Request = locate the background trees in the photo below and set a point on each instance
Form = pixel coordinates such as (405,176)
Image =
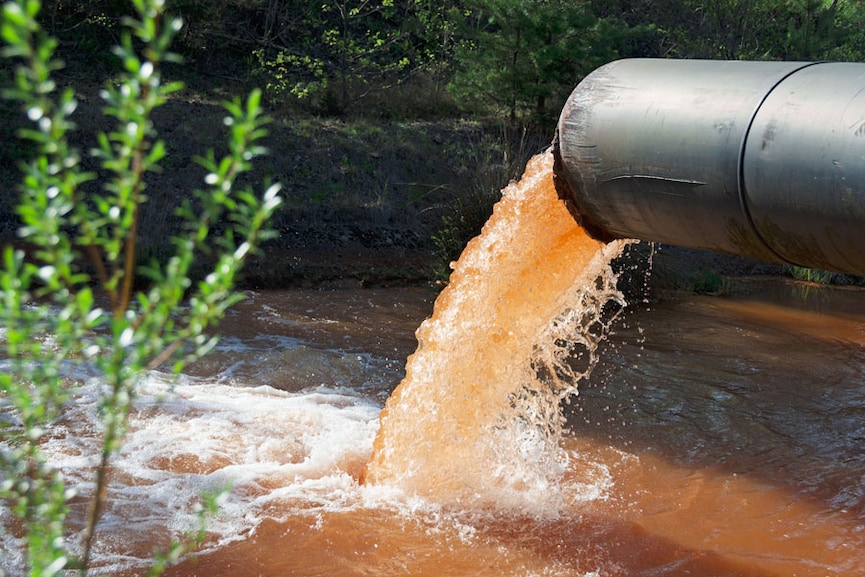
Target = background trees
(513,58)
(519,55)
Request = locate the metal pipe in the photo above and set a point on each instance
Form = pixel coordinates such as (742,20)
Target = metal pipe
(757,159)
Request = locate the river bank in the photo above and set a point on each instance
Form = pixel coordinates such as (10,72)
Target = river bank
(385,199)
(368,202)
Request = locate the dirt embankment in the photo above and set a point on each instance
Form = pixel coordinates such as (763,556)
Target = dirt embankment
(363,198)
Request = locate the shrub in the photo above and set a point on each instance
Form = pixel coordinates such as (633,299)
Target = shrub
(86,247)
(817,276)
(708,281)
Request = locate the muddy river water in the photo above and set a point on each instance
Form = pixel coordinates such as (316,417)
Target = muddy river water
(717,436)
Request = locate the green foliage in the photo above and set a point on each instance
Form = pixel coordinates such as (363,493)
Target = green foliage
(814,275)
(524,57)
(337,52)
(815,29)
(708,281)
(514,58)
(746,29)
(281,78)
(84,248)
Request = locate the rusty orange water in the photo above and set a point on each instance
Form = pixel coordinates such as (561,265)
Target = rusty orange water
(724,436)
(474,423)
(704,474)
(715,436)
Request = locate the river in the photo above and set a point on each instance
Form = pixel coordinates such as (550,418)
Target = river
(717,436)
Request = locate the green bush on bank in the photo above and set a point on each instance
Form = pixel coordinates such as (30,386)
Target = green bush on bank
(824,277)
(83,250)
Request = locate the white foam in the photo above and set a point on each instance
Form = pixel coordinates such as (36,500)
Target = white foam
(278,452)
(283,455)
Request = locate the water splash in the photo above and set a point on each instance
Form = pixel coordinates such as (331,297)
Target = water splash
(284,455)
(476,421)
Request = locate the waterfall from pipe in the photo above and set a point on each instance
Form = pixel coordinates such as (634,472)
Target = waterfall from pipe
(476,421)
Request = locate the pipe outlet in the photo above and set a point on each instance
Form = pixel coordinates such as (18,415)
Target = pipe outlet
(757,159)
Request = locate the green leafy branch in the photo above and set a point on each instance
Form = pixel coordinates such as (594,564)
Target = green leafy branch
(84,251)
